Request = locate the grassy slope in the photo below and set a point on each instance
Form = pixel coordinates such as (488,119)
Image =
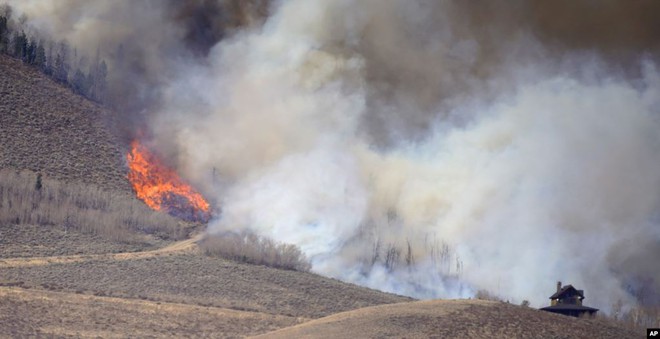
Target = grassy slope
(45,127)
(17,241)
(451,319)
(29,313)
(190,278)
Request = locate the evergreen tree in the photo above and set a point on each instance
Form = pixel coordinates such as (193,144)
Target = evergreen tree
(30,52)
(89,83)
(79,83)
(19,45)
(40,57)
(38,185)
(61,71)
(4,33)
(50,60)
(101,81)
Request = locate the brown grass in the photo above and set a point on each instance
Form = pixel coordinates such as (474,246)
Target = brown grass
(452,319)
(185,246)
(202,280)
(45,127)
(32,313)
(253,249)
(20,241)
(637,318)
(86,208)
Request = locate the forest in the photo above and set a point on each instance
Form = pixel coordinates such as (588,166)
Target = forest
(57,59)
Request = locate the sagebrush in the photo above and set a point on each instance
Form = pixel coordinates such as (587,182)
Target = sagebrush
(637,318)
(28,198)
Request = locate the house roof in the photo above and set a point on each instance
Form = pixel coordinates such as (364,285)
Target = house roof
(566,290)
(569,307)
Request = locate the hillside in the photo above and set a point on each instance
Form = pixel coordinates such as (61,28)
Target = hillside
(62,281)
(46,128)
(451,319)
(105,280)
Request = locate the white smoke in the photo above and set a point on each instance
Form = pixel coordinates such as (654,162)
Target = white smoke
(538,183)
(495,161)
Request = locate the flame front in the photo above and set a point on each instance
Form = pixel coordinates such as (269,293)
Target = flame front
(161,187)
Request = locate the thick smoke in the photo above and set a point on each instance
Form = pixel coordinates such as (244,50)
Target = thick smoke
(143,41)
(421,147)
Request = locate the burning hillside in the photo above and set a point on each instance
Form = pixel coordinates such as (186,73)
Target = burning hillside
(161,188)
(518,137)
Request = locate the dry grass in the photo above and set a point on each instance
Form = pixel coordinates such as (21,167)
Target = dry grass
(20,241)
(638,318)
(46,128)
(85,208)
(487,295)
(31,313)
(452,319)
(253,249)
(202,280)
(185,246)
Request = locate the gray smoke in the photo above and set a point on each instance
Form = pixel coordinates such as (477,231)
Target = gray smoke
(421,147)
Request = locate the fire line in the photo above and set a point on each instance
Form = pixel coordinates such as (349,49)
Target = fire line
(161,188)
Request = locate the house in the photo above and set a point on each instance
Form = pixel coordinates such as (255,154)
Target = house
(568,301)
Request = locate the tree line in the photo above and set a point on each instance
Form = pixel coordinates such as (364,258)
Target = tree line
(55,59)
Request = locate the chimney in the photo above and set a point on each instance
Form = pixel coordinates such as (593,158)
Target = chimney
(558,286)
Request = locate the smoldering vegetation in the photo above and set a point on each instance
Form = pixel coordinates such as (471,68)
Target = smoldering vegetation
(29,198)
(521,134)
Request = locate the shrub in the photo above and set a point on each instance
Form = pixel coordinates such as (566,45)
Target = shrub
(250,248)
(637,318)
(83,207)
(486,295)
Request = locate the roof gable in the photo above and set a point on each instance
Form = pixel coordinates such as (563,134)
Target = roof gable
(567,291)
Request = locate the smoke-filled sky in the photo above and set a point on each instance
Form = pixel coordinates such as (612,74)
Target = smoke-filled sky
(507,144)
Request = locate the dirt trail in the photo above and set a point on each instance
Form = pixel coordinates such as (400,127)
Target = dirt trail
(29,313)
(188,245)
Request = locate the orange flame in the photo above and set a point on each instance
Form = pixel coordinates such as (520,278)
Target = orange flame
(161,187)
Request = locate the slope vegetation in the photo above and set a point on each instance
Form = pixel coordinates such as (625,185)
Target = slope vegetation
(451,319)
(46,128)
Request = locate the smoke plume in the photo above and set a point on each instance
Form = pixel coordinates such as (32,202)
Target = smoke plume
(420,147)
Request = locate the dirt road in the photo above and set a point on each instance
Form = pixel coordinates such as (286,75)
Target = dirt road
(188,245)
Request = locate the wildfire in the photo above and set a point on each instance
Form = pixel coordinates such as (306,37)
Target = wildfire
(161,188)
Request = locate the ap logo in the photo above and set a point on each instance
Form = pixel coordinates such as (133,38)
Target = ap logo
(653,333)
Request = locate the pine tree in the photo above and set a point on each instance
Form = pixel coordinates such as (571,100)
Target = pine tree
(79,83)
(4,32)
(40,57)
(50,60)
(23,47)
(101,81)
(61,71)
(19,45)
(38,185)
(30,51)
